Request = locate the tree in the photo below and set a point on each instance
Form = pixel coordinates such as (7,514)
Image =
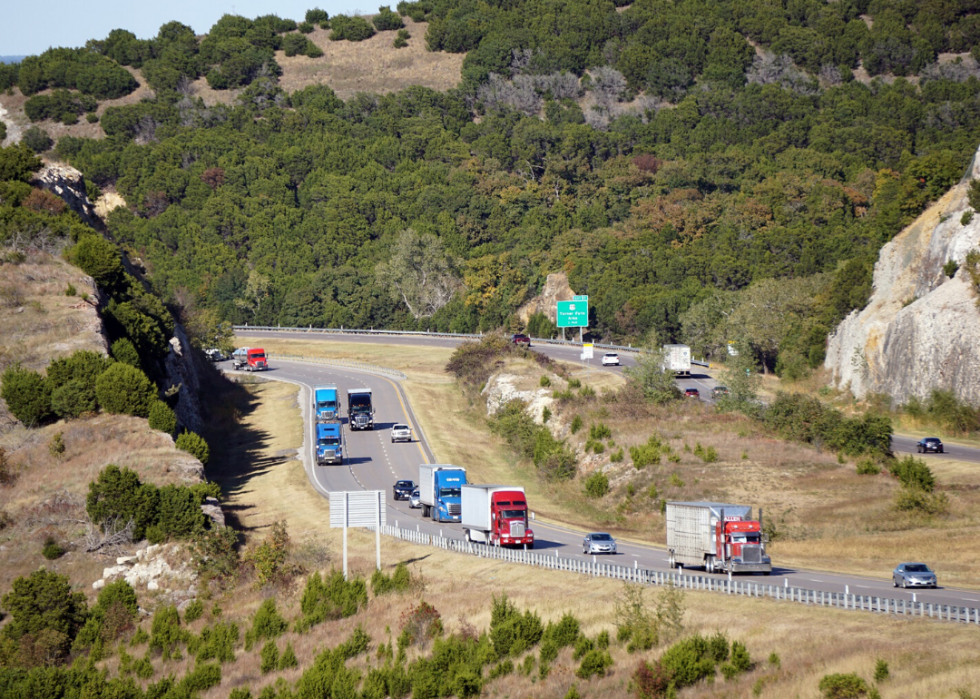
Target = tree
(162,417)
(118,495)
(44,609)
(28,395)
(72,399)
(194,444)
(419,273)
(386,20)
(98,258)
(84,366)
(18,162)
(37,139)
(741,377)
(657,384)
(125,390)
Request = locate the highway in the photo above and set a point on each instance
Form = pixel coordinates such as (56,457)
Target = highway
(373,462)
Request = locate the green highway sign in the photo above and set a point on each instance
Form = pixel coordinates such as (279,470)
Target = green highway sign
(573,314)
(580,298)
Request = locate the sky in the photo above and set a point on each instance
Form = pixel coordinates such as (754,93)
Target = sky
(33,27)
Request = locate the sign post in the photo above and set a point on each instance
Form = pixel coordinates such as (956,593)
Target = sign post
(358,508)
(587,348)
(573,314)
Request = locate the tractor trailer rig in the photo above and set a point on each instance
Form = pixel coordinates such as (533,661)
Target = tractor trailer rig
(723,538)
(496,515)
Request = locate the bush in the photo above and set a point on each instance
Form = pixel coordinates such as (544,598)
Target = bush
(544,382)
(37,139)
(195,445)
(841,686)
(304,28)
(60,105)
(52,549)
(73,399)
(123,350)
(117,494)
(299,45)
(269,657)
(83,366)
(913,473)
(386,20)
(882,672)
(350,28)
(194,611)
(597,485)
(333,598)
(919,501)
(399,581)
(217,642)
(595,662)
(125,390)
(44,607)
(98,258)
(178,512)
(421,623)
(576,424)
(867,467)
(28,395)
(56,447)
(288,658)
(163,418)
(267,623)
(316,16)
(511,632)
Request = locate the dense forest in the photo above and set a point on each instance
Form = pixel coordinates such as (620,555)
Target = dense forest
(708,171)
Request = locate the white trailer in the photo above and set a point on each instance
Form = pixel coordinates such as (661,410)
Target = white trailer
(496,514)
(677,358)
(718,536)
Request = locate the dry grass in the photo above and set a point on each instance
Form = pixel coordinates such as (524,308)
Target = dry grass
(373,65)
(48,495)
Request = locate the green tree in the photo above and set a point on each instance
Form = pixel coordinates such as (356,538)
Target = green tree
(99,259)
(37,139)
(125,390)
(18,162)
(162,417)
(741,377)
(656,384)
(118,496)
(44,612)
(419,274)
(73,399)
(194,444)
(27,394)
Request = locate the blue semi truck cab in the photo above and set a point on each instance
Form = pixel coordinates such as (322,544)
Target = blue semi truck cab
(329,444)
(440,491)
(326,403)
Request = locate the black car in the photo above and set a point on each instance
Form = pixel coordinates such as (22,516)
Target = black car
(521,339)
(403,489)
(929,444)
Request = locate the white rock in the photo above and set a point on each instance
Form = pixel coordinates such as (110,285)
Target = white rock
(126,560)
(152,585)
(112,571)
(98,584)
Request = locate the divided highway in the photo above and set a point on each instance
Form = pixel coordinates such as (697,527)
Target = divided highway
(373,462)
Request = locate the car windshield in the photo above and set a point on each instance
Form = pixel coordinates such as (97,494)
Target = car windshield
(449,492)
(400,427)
(930,440)
(601,537)
(612,356)
(405,484)
(917,568)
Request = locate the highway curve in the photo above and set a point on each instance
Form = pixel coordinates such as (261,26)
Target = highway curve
(373,462)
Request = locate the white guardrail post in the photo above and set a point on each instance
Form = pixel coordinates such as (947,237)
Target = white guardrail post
(903,607)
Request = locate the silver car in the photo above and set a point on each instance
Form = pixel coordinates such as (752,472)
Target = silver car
(598,542)
(401,433)
(913,575)
(413,500)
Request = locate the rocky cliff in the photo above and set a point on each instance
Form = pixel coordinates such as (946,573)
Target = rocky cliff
(555,289)
(921,329)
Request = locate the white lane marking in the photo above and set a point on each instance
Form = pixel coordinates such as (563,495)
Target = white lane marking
(814,580)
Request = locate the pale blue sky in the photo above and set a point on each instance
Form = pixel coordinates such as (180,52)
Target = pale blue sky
(28,28)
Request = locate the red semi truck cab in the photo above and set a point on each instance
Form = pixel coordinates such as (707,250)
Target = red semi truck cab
(734,535)
(251,359)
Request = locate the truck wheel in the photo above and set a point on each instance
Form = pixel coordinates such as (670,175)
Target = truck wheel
(709,565)
(767,573)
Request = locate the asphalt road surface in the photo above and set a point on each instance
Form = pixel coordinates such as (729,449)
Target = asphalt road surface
(373,462)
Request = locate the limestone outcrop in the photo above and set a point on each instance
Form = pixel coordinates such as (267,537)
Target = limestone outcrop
(555,289)
(68,183)
(921,329)
(501,389)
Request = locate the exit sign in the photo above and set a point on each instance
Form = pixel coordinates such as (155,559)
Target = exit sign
(573,314)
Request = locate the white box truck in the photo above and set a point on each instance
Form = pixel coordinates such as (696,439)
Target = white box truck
(718,536)
(677,358)
(496,515)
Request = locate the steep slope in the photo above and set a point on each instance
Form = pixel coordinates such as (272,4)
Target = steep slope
(921,329)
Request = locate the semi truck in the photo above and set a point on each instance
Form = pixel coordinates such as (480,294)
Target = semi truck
(723,538)
(326,405)
(329,444)
(250,359)
(496,515)
(677,358)
(440,491)
(360,412)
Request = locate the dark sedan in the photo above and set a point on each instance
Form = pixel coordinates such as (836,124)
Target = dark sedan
(403,489)
(929,444)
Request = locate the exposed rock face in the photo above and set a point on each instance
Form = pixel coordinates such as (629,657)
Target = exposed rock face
(555,289)
(501,389)
(155,567)
(921,329)
(182,370)
(68,183)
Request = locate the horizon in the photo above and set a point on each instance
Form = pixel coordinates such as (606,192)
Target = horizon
(58,24)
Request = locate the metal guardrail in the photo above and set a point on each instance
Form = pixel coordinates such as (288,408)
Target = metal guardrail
(345,363)
(426,333)
(746,588)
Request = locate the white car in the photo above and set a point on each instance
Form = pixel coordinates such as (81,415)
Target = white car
(610,359)
(401,433)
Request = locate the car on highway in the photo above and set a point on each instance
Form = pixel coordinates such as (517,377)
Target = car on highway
(719,391)
(401,433)
(215,355)
(521,339)
(413,500)
(403,489)
(610,359)
(692,393)
(928,444)
(598,542)
(913,575)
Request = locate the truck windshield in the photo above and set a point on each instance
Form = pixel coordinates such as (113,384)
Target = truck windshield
(256,355)
(360,404)
(513,514)
(449,492)
(327,404)
(329,441)
(745,538)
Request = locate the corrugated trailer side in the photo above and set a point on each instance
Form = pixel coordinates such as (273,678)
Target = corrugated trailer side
(689,532)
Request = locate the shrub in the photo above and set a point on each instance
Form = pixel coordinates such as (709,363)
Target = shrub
(774,660)
(115,612)
(919,501)
(316,16)
(56,447)
(634,622)
(386,20)
(73,400)
(401,41)
(98,258)
(595,662)
(399,581)
(217,642)
(166,633)
(576,424)
(333,598)
(617,456)
(37,139)
(350,28)
(304,28)
(52,549)
(44,607)
(867,467)
(597,485)
(123,350)
(511,632)
(420,624)
(882,672)
(913,473)
(544,382)
(194,444)
(163,418)
(841,686)
(83,366)
(28,395)
(194,611)
(269,657)
(125,390)
(288,658)
(300,45)
(201,678)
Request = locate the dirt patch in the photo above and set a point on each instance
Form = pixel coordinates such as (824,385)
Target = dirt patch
(374,65)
